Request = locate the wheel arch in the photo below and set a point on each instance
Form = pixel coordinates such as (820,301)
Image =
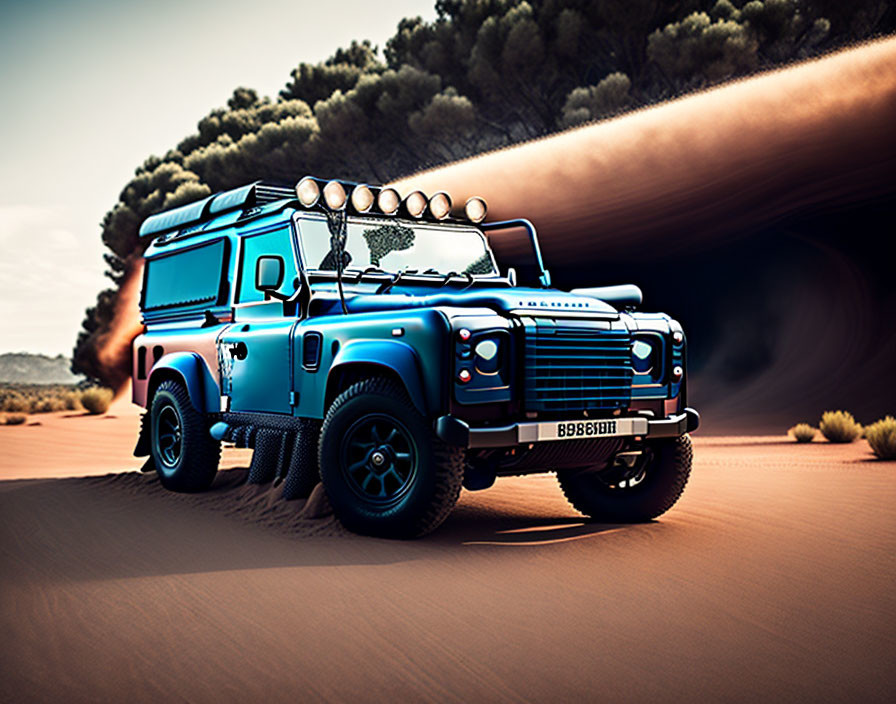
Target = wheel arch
(189,369)
(368,358)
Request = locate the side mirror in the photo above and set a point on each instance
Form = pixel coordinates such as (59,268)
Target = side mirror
(269,274)
(511,276)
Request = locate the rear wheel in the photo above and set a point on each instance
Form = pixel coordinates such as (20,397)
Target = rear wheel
(636,493)
(185,455)
(385,471)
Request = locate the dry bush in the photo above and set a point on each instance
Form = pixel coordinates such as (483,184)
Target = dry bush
(882,438)
(839,426)
(13,402)
(96,400)
(802,432)
(71,400)
(49,404)
(15,419)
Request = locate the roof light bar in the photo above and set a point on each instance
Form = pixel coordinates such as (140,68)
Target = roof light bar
(308,192)
(475,209)
(334,195)
(415,204)
(440,205)
(362,198)
(388,201)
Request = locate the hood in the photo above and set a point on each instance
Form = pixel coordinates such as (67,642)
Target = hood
(519,301)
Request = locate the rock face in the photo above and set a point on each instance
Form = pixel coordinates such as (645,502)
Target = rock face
(24,368)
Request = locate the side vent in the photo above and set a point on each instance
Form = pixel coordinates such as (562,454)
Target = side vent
(141,362)
(311,343)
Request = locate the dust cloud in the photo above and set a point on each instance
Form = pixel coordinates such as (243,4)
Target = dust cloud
(687,174)
(114,347)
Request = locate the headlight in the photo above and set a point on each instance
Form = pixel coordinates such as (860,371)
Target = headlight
(415,204)
(440,205)
(488,359)
(642,357)
(334,195)
(388,201)
(308,192)
(362,198)
(475,209)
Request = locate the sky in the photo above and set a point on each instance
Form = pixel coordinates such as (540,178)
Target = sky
(90,88)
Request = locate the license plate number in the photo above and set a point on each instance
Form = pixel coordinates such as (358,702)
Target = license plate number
(586,428)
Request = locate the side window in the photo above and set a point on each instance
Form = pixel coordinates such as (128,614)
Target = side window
(186,278)
(278,243)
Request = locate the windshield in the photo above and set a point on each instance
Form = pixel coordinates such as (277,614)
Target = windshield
(394,245)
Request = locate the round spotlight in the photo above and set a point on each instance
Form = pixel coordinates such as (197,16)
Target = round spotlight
(440,205)
(415,203)
(388,201)
(308,192)
(362,198)
(334,195)
(475,209)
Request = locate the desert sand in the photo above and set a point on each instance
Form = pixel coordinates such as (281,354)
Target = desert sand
(771,580)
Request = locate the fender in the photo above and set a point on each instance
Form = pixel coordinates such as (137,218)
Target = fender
(191,370)
(394,356)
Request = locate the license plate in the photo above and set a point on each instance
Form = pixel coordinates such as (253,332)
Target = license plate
(584,429)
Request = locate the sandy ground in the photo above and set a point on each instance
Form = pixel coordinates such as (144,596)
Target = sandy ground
(771,580)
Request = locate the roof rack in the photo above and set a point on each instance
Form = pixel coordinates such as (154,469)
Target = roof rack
(250,196)
(312,193)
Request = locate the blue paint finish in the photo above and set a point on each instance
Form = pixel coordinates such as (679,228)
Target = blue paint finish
(394,356)
(561,354)
(366,341)
(191,370)
(259,359)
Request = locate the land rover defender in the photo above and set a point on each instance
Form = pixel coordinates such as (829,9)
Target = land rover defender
(373,343)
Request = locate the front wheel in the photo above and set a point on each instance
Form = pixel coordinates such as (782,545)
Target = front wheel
(385,471)
(646,490)
(185,455)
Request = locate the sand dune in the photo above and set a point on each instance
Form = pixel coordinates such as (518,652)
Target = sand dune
(770,580)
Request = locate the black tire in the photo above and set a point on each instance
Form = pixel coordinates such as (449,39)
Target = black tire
(185,455)
(663,480)
(385,471)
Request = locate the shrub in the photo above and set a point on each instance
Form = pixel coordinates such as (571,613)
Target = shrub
(882,438)
(48,405)
(15,419)
(802,432)
(839,426)
(72,401)
(96,400)
(15,403)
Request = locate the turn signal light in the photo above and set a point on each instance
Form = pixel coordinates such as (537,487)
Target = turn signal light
(464,376)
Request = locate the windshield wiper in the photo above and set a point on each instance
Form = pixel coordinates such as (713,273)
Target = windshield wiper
(369,270)
(465,274)
(386,287)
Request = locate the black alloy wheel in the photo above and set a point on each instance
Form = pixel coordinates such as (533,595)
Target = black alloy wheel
(185,455)
(379,458)
(384,469)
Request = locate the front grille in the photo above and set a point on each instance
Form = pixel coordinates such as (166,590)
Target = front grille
(577,368)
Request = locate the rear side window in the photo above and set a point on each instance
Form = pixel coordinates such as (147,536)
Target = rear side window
(277,243)
(186,278)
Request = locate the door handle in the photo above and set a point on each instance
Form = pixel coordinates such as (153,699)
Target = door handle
(239,350)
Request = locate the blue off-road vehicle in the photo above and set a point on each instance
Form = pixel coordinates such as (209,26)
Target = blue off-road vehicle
(374,344)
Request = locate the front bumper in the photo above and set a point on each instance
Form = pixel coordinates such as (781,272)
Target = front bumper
(454,431)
